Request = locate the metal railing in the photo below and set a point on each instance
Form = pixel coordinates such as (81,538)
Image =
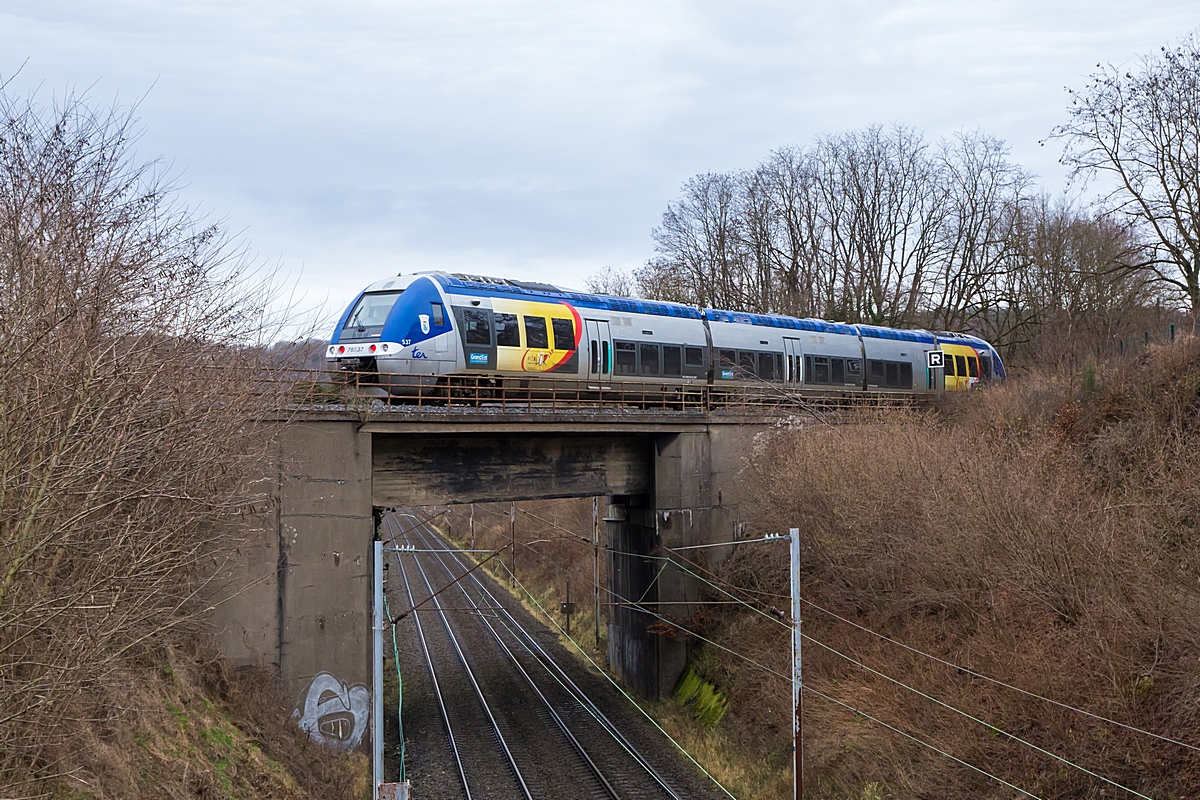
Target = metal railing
(345,390)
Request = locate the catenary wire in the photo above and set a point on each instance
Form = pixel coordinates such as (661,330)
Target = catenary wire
(619,688)
(919,741)
(639,606)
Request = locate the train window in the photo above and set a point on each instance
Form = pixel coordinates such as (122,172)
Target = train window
(808,370)
(972,366)
(779,366)
(766,366)
(649,353)
(595,363)
(693,356)
(854,368)
(877,373)
(564,334)
(535,332)
(672,362)
(626,358)
(985,367)
(820,369)
(605,356)
(960,366)
(508,334)
(439,314)
(371,311)
(728,359)
(906,375)
(746,364)
(837,371)
(476,328)
(893,374)
(948,365)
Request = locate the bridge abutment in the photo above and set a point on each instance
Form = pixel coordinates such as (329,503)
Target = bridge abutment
(299,597)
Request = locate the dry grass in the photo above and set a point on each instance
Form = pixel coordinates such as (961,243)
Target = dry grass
(1039,533)
(190,728)
(134,435)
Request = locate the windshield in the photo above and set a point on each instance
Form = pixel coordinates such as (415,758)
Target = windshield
(369,314)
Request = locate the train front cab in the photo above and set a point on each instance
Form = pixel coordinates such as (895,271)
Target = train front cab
(965,366)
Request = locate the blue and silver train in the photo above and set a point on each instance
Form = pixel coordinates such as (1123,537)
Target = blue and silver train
(435,328)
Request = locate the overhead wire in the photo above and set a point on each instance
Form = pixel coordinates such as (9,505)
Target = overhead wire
(944,662)
(918,740)
(639,606)
(619,688)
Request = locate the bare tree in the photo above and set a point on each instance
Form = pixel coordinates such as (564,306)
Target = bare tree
(1141,128)
(612,282)
(128,435)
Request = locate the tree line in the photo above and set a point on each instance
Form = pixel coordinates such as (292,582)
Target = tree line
(886,226)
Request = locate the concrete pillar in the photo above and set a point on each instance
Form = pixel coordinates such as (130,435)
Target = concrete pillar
(300,597)
(632,648)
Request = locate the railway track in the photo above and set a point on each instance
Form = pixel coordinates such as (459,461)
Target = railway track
(544,737)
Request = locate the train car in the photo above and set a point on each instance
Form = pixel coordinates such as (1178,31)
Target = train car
(437,328)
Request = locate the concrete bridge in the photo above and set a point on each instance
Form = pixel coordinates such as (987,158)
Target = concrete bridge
(304,582)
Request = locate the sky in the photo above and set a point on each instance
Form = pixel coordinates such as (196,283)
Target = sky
(349,141)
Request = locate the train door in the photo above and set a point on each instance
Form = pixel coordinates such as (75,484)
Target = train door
(793,362)
(599,351)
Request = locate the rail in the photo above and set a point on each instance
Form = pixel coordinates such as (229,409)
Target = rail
(608,785)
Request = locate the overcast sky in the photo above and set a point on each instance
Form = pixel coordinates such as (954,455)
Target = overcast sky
(540,140)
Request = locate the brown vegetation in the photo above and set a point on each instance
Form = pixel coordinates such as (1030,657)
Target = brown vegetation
(128,438)
(1039,533)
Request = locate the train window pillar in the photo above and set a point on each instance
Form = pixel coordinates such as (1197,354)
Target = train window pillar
(820,369)
(626,358)
(746,364)
(893,374)
(508,333)
(477,328)
(766,366)
(564,334)
(535,332)
(672,361)
(649,354)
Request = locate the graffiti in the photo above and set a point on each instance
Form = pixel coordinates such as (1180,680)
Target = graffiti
(334,713)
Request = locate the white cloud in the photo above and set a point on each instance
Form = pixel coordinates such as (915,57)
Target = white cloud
(540,139)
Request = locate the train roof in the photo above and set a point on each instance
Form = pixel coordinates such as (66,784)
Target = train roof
(479,285)
(484,286)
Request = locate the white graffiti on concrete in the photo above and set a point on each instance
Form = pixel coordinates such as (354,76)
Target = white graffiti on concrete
(334,713)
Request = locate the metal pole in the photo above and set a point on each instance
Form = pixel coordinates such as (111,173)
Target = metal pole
(472,526)
(568,606)
(797,673)
(596,562)
(512,533)
(377,675)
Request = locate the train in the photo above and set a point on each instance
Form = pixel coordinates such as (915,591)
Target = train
(438,329)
